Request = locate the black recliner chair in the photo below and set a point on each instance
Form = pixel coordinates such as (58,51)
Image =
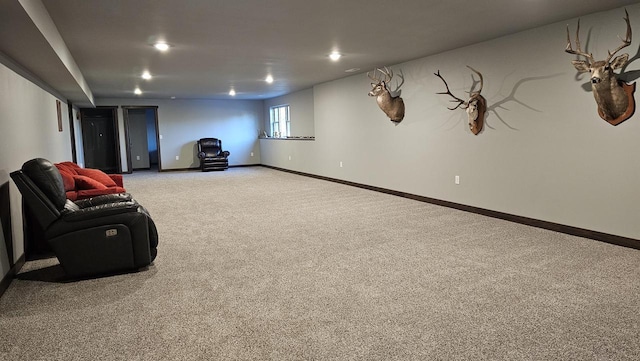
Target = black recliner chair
(99,235)
(211,155)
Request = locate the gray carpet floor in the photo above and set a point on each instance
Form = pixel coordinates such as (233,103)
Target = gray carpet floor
(258,264)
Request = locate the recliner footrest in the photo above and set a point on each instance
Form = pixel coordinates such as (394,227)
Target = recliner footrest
(95,250)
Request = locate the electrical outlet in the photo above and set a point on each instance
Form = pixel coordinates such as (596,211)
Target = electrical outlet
(252,154)
(340,164)
(289,157)
(457,179)
(160,136)
(137,157)
(177,157)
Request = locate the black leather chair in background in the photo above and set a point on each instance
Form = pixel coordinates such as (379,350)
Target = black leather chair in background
(211,155)
(104,234)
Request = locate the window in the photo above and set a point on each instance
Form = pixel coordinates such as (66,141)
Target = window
(280,124)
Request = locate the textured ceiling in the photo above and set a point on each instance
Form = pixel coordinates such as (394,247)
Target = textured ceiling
(217,45)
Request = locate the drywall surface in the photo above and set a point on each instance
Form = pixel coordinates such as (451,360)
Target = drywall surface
(182,122)
(41,19)
(28,129)
(544,152)
(300,115)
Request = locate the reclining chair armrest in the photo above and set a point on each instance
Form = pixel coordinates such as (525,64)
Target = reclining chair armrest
(102,210)
(226,153)
(201,155)
(103,199)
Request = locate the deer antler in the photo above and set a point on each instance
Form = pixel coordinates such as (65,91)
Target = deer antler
(627,40)
(579,51)
(475,94)
(401,76)
(374,78)
(387,73)
(456,99)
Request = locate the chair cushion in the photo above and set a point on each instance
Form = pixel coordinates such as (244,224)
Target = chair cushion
(70,164)
(210,142)
(72,195)
(98,175)
(67,179)
(84,182)
(211,153)
(68,167)
(117,179)
(219,157)
(90,193)
(46,177)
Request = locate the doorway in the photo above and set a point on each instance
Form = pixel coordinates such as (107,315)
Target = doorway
(141,133)
(101,145)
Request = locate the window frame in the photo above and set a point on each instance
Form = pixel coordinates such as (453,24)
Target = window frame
(280,120)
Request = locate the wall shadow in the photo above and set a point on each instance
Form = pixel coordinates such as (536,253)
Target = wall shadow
(494,106)
(632,75)
(196,160)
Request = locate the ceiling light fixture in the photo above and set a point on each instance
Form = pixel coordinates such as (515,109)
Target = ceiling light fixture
(269,79)
(146,75)
(162,46)
(335,56)
(137,91)
(232,92)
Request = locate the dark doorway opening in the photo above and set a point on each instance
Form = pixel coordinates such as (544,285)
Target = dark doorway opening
(141,132)
(101,144)
(5,222)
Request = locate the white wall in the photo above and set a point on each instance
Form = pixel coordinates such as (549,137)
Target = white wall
(28,129)
(544,152)
(301,116)
(182,122)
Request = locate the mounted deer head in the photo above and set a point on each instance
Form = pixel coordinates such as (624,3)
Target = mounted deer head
(614,97)
(392,106)
(475,106)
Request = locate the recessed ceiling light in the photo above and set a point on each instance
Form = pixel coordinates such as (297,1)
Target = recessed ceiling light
(232,92)
(146,75)
(137,91)
(335,56)
(162,46)
(269,79)
(173,97)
